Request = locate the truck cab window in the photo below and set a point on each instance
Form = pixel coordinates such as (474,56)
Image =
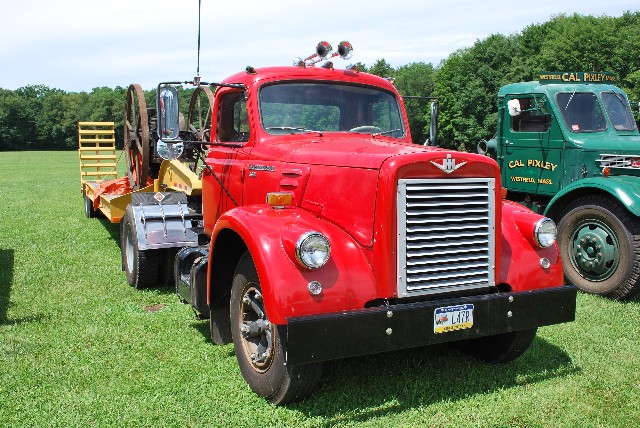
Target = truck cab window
(534,117)
(233,121)
(581,111)
(618,111)
(300,107)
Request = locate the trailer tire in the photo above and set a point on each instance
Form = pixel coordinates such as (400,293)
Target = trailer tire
(89,211)
(595,229)
(140,266)
(259,344)
(499,348)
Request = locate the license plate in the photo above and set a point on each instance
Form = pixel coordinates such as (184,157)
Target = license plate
(450,318)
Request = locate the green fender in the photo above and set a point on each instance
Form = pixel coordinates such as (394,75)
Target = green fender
(625,189)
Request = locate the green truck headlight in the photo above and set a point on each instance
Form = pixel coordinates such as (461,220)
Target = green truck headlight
(313,250)
(545,232)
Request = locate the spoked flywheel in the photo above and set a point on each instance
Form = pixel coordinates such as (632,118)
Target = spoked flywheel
(136,137)
(200,107)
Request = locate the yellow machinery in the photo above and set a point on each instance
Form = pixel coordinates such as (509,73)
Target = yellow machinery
(103,191)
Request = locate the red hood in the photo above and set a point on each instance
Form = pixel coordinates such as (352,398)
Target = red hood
(347,151)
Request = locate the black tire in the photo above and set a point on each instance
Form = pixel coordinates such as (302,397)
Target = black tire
(600,246)
(89,211)
(141,267)
(220,325)
(500,348)
(259,349)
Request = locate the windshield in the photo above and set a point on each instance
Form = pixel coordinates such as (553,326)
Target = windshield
(299,107)
(618,111)
(581,111)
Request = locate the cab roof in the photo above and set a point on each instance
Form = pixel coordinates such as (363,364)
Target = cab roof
(308,73)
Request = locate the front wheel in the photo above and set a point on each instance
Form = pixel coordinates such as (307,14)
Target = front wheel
(500,348)
(258,344)
(600,247)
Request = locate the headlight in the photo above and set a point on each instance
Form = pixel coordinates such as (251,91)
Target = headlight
(313,250)
(545,232)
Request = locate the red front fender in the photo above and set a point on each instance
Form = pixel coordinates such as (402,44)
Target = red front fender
(520,260)
(347,279)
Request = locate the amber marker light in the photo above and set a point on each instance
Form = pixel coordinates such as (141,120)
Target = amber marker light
(606,171)
(279,200)
(504,193)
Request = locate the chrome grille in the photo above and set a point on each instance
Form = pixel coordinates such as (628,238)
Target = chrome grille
(446,235)
(619,161)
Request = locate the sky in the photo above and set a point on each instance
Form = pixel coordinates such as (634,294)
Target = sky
(78,45)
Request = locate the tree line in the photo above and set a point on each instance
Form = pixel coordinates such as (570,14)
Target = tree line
(37,117)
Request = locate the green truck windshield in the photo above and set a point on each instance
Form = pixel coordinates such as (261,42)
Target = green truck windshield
(618,111)
(581,111)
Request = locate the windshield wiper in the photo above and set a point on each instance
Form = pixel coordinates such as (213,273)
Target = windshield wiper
(570,98)
(292,129)
(390,131)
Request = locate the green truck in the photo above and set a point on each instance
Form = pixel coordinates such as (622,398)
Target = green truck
(568,146)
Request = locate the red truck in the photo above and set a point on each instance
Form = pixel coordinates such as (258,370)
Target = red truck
(321,232)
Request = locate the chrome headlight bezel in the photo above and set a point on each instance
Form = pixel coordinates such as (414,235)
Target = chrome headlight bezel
(545,232)
(313,250)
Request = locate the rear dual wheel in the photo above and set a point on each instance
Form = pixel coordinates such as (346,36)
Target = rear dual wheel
(140,266)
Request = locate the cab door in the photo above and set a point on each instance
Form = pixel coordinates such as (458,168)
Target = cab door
(231,145)
(532,146)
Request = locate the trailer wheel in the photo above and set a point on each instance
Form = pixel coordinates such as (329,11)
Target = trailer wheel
(89,211)
(258,344)
(600,247)
(500,348)
(141,267)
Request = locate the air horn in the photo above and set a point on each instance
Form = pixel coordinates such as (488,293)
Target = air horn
(324,51)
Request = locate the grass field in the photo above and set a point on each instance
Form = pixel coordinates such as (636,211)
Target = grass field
(79,347)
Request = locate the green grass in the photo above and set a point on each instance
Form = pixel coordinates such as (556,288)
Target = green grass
(79,347)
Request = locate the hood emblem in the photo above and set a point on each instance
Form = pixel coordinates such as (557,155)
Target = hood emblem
(448,165)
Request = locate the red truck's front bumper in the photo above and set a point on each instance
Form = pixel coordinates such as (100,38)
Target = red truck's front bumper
(400,326)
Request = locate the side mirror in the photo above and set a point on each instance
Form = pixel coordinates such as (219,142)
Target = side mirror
(488,148)
(433,125)
(169,145)
(514,107)
(168,114)
(482,147)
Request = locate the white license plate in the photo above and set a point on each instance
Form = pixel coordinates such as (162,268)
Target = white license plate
(450,318)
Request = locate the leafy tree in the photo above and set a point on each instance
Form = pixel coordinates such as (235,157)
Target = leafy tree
(17,123)
(416,79)
(467,83)
(381,68)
